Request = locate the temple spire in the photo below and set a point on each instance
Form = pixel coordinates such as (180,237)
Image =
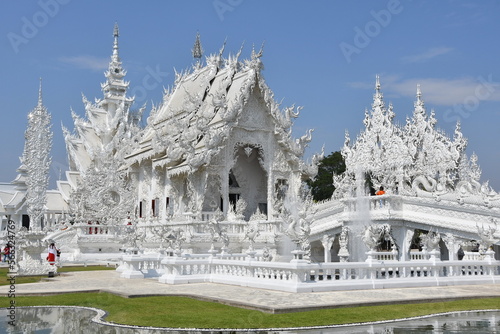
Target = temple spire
(419,103)
(40,100)
(115,88)
(377,83)
(116,34)
(378,97)
(419,95)
(197,48)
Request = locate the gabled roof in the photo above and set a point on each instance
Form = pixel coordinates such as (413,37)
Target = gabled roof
(196,117)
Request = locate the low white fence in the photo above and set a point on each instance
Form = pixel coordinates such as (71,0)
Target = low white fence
(301,276)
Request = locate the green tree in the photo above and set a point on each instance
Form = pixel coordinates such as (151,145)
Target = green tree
(322,186)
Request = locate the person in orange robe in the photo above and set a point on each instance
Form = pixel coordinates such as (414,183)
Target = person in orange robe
(380,191)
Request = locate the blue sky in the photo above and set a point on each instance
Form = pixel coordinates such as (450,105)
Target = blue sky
(322,55)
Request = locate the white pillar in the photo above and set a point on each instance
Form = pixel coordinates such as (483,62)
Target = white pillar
(327,242)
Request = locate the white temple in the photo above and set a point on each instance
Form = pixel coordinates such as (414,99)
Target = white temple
(212,189)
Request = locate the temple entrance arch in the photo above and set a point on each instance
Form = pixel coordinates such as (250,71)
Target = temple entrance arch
(248,178)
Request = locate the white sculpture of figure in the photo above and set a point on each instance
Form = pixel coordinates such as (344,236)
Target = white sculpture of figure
(487,236)
(217,233)
(305,232)
(266,255)
(177,237)
(371,237)
(430,241)
(344,243)
(214,230)
(251,233)
(224,237)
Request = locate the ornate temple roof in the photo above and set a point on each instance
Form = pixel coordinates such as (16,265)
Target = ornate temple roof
(417,159)
(198,114)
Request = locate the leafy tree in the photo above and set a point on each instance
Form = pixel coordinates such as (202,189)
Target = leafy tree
(322,186)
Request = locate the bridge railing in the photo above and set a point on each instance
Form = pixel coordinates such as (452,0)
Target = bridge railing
(378,202)
(300,275)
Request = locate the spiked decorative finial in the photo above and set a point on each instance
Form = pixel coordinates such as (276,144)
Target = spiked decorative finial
(40,102)
(377,82)
(256,55)
(420,101)
(221,51)
(116,31)
(116,34)
(197,49)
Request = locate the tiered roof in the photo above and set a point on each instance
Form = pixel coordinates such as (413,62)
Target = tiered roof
(197,116)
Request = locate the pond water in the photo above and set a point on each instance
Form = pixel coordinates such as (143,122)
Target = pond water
(58,320)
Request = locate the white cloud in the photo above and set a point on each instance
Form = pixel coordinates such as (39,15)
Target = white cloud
(86,62)
(449,91)
(438,91)
(429,54)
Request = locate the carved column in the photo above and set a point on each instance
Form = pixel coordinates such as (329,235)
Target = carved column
(224,177)
(327,242)
(406,244)
(450,242)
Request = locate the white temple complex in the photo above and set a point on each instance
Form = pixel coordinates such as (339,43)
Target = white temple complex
(212,189)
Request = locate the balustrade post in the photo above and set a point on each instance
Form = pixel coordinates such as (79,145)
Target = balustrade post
(133,263)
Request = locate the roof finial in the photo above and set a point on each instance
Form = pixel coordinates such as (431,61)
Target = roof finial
(256,55)
(221,51)
(377,83)
(197,49)
(116,34)
(40,102)
(420,101)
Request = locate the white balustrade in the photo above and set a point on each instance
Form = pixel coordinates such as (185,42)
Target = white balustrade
(473,256)
(299,275)
(378,202)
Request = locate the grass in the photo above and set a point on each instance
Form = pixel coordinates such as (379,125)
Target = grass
(33,279)
(184,312)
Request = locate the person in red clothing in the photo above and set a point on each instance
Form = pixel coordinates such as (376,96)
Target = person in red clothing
(6,253)
(51,257)
(380,191)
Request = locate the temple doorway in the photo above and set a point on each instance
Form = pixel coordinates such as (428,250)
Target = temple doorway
(248,180)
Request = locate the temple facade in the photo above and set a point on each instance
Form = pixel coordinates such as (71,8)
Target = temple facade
(216,171)
(218,142)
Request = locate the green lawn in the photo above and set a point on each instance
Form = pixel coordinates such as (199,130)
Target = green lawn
(187,312)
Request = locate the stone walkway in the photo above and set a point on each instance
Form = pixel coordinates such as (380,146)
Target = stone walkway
(264,300)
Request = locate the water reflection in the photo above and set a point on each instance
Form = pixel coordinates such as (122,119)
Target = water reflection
(55,320)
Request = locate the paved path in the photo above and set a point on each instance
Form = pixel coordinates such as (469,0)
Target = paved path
(265,300)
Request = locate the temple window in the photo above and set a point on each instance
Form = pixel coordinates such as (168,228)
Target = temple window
(232,180)
(153,207)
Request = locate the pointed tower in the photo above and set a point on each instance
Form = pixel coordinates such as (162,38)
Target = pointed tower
(36,162)
(97,147)
(108,121)
(115,88)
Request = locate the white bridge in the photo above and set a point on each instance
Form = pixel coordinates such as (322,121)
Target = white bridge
(456,222)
